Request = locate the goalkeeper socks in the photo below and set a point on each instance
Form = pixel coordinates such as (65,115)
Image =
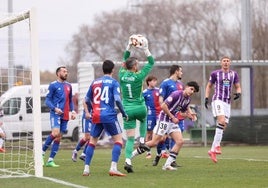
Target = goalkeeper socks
(129,147)
(116,151)
(143,129)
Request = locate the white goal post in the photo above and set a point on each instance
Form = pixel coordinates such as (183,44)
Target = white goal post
(23,155)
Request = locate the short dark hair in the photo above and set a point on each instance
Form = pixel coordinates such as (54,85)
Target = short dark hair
(173,69)
(107,66)
(130,62)
(193,84)
(150,78)
(58,69)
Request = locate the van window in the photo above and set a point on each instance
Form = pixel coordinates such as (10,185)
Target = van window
(29,105)
(12,106)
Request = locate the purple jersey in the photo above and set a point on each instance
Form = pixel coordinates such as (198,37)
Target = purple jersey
(102,94)
(168,86)
(176,102)
(223,82)
(151,97)
(60,96)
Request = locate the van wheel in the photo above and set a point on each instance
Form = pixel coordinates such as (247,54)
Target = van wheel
(75,135)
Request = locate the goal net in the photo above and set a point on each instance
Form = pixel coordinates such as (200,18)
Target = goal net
(20,153)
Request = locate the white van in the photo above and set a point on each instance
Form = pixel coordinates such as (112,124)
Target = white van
(17,106)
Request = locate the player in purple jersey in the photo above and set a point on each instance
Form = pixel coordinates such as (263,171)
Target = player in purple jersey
(102,95)
(223,80)
(86,128)
(169,85)
(59,100)
(167,122)
(151,97)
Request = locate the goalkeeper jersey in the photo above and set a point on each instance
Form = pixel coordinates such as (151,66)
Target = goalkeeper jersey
(131,82)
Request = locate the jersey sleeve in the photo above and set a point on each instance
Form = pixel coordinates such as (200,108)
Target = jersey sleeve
(49,97)
(147,67)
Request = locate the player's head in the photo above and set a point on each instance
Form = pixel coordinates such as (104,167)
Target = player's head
(225,62)
(176,70)
(132,64)
(62,73)
(150,79)
(107,66)
(194,85)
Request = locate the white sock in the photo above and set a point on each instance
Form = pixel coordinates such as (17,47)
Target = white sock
(128,161)
(86,169)
(113,166)
(217,137)
(50,159)
(169,161)
(1,142)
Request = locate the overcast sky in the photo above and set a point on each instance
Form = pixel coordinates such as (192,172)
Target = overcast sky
(58,20)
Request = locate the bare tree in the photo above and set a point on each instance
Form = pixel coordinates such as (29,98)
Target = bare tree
(177,30)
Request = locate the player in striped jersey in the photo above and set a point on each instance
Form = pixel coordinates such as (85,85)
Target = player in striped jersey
(223,80)
(169,85)
(167,122)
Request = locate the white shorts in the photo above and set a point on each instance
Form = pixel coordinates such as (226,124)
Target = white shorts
(220,108)
(164,127)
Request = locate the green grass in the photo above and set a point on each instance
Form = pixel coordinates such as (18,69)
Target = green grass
(238,166)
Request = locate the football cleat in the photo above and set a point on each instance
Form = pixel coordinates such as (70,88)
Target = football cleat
(51,164)
(116,173)
(174,164)
(74,156)
(82,157)
(86,173)
(218,150)
(128,168)
(212,155)
(156,160)
(168,167)
(142,148)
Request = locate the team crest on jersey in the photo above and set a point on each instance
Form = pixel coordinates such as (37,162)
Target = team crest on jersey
(169,99)
(226,82)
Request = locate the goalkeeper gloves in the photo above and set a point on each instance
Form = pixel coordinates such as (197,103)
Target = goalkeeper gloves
(206,103)
(237,96)
(129,45)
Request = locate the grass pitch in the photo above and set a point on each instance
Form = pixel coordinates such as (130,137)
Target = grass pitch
(238,166)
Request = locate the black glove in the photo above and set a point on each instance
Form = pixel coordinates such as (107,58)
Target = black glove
(237,96)
(206,103)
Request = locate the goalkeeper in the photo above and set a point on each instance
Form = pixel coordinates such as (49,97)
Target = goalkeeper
(131,82)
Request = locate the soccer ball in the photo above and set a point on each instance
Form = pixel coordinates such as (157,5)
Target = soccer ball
(138,41)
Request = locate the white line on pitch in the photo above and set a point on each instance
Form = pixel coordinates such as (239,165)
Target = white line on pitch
(64,182)
(245,159)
